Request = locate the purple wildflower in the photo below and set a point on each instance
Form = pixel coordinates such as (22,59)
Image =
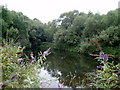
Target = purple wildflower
(98,74)
(32,61)
(6,54)
(100,66)
(98,87)
(90,85)
(100,55)
(59,86)
(6,46)
(13,76)
(47,51)
(20,59)
(32,55)
(104,57)
(1,84)
(112,61)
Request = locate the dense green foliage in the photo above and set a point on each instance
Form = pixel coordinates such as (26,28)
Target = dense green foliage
(71,31)
(19,70)
(105,76)
(19,27)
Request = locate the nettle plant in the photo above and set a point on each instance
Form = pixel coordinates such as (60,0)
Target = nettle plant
(107,73)
(19,70)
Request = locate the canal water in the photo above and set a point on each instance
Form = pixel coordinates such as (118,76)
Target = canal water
(63,69)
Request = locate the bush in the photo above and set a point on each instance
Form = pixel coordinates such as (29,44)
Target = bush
(19,71)
(106,75)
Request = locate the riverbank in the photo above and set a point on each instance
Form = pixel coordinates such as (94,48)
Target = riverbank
(77,49)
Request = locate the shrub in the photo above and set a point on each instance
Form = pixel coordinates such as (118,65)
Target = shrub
(106,75)
(18,70)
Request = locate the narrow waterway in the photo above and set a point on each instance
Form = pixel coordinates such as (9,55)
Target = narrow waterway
(63,69)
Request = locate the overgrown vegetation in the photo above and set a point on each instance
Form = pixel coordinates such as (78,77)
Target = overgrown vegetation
(107,73)
(19,70)
(72,31)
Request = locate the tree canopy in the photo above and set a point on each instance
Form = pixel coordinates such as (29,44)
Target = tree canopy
(72,29)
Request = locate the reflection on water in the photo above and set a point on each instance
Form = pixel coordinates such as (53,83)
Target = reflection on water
(65,67)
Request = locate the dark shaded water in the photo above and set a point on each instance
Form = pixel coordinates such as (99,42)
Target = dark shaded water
(64,68)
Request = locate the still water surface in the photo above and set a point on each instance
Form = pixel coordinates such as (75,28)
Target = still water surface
(64,68)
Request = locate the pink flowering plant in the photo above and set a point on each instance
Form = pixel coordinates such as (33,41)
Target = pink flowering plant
(19,70)
(107,74)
